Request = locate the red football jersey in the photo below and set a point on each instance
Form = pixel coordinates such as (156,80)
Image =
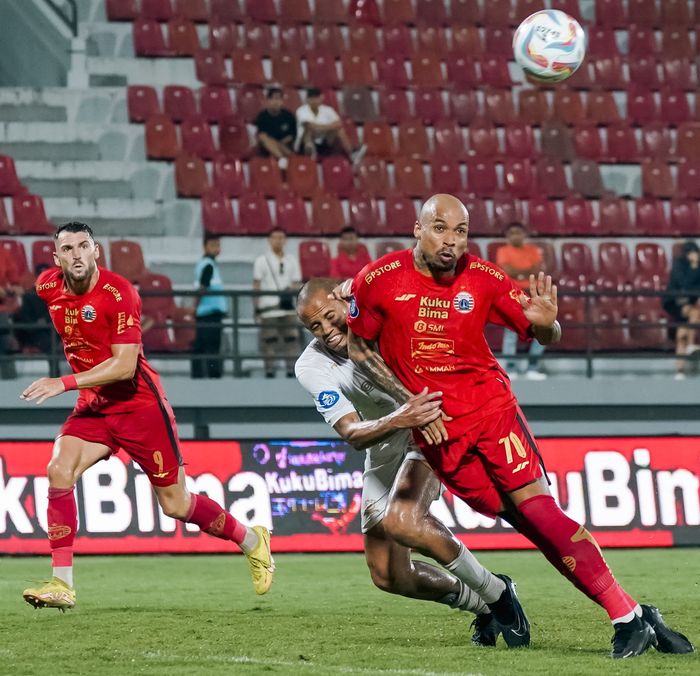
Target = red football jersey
(89,325)
(432,333)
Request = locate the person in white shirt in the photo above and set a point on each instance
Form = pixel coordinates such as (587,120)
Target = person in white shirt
(279,331)
(320,130)
(398,485)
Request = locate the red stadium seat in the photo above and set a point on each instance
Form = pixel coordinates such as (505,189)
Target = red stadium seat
(601,108)
(577,260)
(328,39)
(148,38)
(42,253)
(314,259)
(366,12)
(183,39)
(498,41)
(446,176)
(650,217)
(259,39)
(519,178)
(601,42)
(400,215)
(608,72)
(373,177)
(676,13)
(495,73)
(543,217)
(156,304)
(233,137)
(261,10)
(254,214)
(265,176)
(520,141)
(194,10)
(413,140)
(122,10)
(674,107)
(331,11)
(364,39)
(675,42)
(158,10)
(556,141)
(214,103)
(427,70)
(141,102)
(29,216)
(429,105)
(615,216)
(398,11)
(465,12)
(483,140)
(183,325)
(126,257)
(295,11)
(578,216)
(6,228)
(642,107)
(286,69)
(685,217)
(394,105)
(179,103)
(586,178)
(641,41)
(551,179)
(161,139)
(357,70)
(409,177)
(587,142)
(482,178)
(499,107)
(217,215)
(9,183)
(622,143)
(644,12)
(210,68)
(337,176)
(466,40)
(464,106)
(533,107)
(431,12)
(431,39)
(448,141)
(650,259)
(657,180)
(689,179)
(479,221)
(461,71)
(247,67)
(322,70)
(302,176)
(499,13)
(506,209)
(388,246)
(293,39)
(568,107)
(364,214)
(688,140)
(327,214)
(379,140)
(611,13)
(290,215)
(191,178)
(197,138)
(358,104)
(678,73)
(397,40)
(644,71)
(227,175)
(656,141)
(224,37)
(614,260)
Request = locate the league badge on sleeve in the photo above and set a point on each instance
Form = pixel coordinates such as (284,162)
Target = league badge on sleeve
(328,399)
(463,302)
(353,311)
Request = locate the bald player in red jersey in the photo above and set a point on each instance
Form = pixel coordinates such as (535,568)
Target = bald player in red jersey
(121,404)
(417,319)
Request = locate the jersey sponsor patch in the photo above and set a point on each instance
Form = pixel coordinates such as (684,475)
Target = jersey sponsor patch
(87,312)
(353,311)
(463,302)
(328,399)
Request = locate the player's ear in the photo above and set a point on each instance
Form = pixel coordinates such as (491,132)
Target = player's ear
(97,251)
(55,260)
(416,230)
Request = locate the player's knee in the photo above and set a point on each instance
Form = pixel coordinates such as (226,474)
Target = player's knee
(60,474)
(174,506)
(400,523)
(381,578)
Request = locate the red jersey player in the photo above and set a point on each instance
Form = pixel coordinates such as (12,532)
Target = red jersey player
(121,404)
(417,319)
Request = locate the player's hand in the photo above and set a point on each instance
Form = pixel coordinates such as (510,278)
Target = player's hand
(419,410)
(43,389)
(541,307)
(342,292)
(435,432)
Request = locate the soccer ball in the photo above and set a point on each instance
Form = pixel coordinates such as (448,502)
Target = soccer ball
(549,45)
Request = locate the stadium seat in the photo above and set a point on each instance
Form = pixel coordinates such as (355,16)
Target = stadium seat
(466,40)
(641,41)
(644,71)
(556,141)
(429,105)
(656,141)
(650,217)
(217,215)
(648,325)
(394,106)
(302,176)
(520,141)
(126,257)
(601,108)
(685,217)
(322,70)
(614,260)
(608,72)
(148,39)
(331,12)
(183,326)
(294,39)
(409,177)
(295,11)
(577,260)
(506,209)
(156,304)
(122,10)
(650,259)
(466,12)
(495,73)
(543,217)
(9,182)
(533,107)
(286,69)
(210,68)
(499,13)
(611,13)
(498,41)
(254,214)
(431,39)
(29,216)
(260,39)
(499,107)
(290,215)
(657,180)
(676,13)
(689,179)
(482,178)
(674,107)
(568,107)
(179,103)
(388,246)
(248,67)
(197,138)
(400,215)
(261,10)
(18,255)
(642,107)
(398,12)
(141,102)
(191,178)
(233,137)
(327,214)
(366,12)
(358,104)
(357,70)
(158,10)
(445,176)
(614,216)
(644,12)
(621,145)
(586,178)
(448,141)
(688,140)
(675,42)
(479,222)
(551,179)
(214,103)
(461,71)
(379,140)
(464,106)
(265,176)
(194,10)
(426,69)
(161,139)
(183,39)
(372,177)
(431,12)
(338,176)
(610,332)
(364,214)
(518,178)
(392,70)
(678,73)
(314,259)
(224,37)
(483,140)
(227,175)
(601,42)
(364,39)
(42,253)
(413,140)
(398,40)
(578,216)
(587,142)
(6,228)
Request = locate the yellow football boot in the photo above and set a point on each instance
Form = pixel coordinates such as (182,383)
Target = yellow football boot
(261,563)
(52,594)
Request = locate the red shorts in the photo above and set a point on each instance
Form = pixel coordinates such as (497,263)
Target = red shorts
(496,456)
(148,435)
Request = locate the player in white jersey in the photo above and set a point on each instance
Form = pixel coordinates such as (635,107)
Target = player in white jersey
(398,485)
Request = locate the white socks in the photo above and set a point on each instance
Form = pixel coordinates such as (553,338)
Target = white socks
(64,573)
(480,580)
(637,612)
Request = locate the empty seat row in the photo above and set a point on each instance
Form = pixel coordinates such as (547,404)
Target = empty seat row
(28,216)
(645,13)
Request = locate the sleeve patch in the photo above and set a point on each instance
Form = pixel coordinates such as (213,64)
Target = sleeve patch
(328,399)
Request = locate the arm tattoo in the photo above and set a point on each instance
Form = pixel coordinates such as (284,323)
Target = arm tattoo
(379,373)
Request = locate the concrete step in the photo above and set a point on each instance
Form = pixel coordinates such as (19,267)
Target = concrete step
(144,71)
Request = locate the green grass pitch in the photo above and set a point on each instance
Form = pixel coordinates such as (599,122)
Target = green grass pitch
(199,615)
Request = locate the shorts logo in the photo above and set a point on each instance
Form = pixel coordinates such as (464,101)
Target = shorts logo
(354,311)
(56,532)
(87,312)
(328,399)
(463,302)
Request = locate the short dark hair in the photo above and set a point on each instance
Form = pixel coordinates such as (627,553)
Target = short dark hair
(74,226)
(276,229)
(348,230)
(514,224)
(313,286)
(209,236)
(312,91)
(689,247)
(273,91)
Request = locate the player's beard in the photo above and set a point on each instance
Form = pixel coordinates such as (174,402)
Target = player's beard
(77,279)
(436,264)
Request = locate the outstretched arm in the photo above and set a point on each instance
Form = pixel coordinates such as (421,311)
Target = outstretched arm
(541,309)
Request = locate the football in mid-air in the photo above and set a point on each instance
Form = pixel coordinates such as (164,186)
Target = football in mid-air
(549,45)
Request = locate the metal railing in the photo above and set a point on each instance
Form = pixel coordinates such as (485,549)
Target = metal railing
(592,330)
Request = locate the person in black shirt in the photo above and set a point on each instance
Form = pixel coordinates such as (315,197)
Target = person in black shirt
(684,309)
(277,128)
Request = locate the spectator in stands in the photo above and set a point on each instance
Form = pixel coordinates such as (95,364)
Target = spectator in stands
(520,259)
(210,310)
(10,292)
(320,130)
(352,256)
(279,331)
(39,336)
(277,128)
(683,303)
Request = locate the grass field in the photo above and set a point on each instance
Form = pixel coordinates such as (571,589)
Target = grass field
(199,615)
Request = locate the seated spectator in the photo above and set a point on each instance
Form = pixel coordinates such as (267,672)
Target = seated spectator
(320,130)
(352,256)
(684,307)
(10,292)
(520,259)
(277,128)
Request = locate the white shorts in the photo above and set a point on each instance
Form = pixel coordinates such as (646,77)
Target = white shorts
(381,467)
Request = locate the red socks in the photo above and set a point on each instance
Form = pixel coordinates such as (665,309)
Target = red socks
(213,519)
(63,522)
(581,559)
